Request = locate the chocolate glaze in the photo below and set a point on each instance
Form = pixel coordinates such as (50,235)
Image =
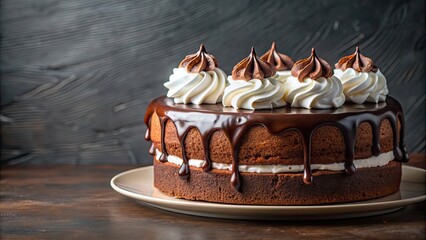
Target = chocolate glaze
(234,123)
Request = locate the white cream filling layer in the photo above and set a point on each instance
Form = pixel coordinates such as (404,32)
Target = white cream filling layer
(381,160)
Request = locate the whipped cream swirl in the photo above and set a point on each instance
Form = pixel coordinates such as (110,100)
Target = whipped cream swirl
(196,88)
(360,87)
(264,93)
(321,93)
(252,85)
(282,75)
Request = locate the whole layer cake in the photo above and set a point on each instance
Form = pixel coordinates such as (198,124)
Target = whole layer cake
(279,156)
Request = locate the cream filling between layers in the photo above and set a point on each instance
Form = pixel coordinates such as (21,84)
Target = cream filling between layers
(381,160)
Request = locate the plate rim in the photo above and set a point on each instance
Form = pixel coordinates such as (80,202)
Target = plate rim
(153,201)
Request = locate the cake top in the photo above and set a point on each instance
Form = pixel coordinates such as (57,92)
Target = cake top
(356,61)
(312,67)
(252,67)
(281,61)
(287,112)
(199,61)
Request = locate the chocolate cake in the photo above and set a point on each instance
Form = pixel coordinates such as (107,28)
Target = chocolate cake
(283,155)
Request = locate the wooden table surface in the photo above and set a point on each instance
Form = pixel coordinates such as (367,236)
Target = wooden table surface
(76,202)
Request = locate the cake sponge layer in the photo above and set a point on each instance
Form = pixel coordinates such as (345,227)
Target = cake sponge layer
(279,189)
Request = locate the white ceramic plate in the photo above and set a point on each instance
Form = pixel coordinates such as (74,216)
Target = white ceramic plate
(138,184)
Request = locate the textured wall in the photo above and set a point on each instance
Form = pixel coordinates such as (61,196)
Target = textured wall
(77,75)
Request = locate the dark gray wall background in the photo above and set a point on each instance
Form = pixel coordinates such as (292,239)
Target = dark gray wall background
(76,76)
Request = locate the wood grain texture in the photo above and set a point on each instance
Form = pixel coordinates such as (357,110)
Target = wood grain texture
(76,202)
(76,76)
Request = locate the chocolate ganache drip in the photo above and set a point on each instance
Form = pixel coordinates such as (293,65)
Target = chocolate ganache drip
(356,61)
(200,61)
(312,67)
(252,67)
(280,61)
(235,124)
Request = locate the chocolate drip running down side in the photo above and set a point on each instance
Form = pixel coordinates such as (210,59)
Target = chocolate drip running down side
(234,123)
